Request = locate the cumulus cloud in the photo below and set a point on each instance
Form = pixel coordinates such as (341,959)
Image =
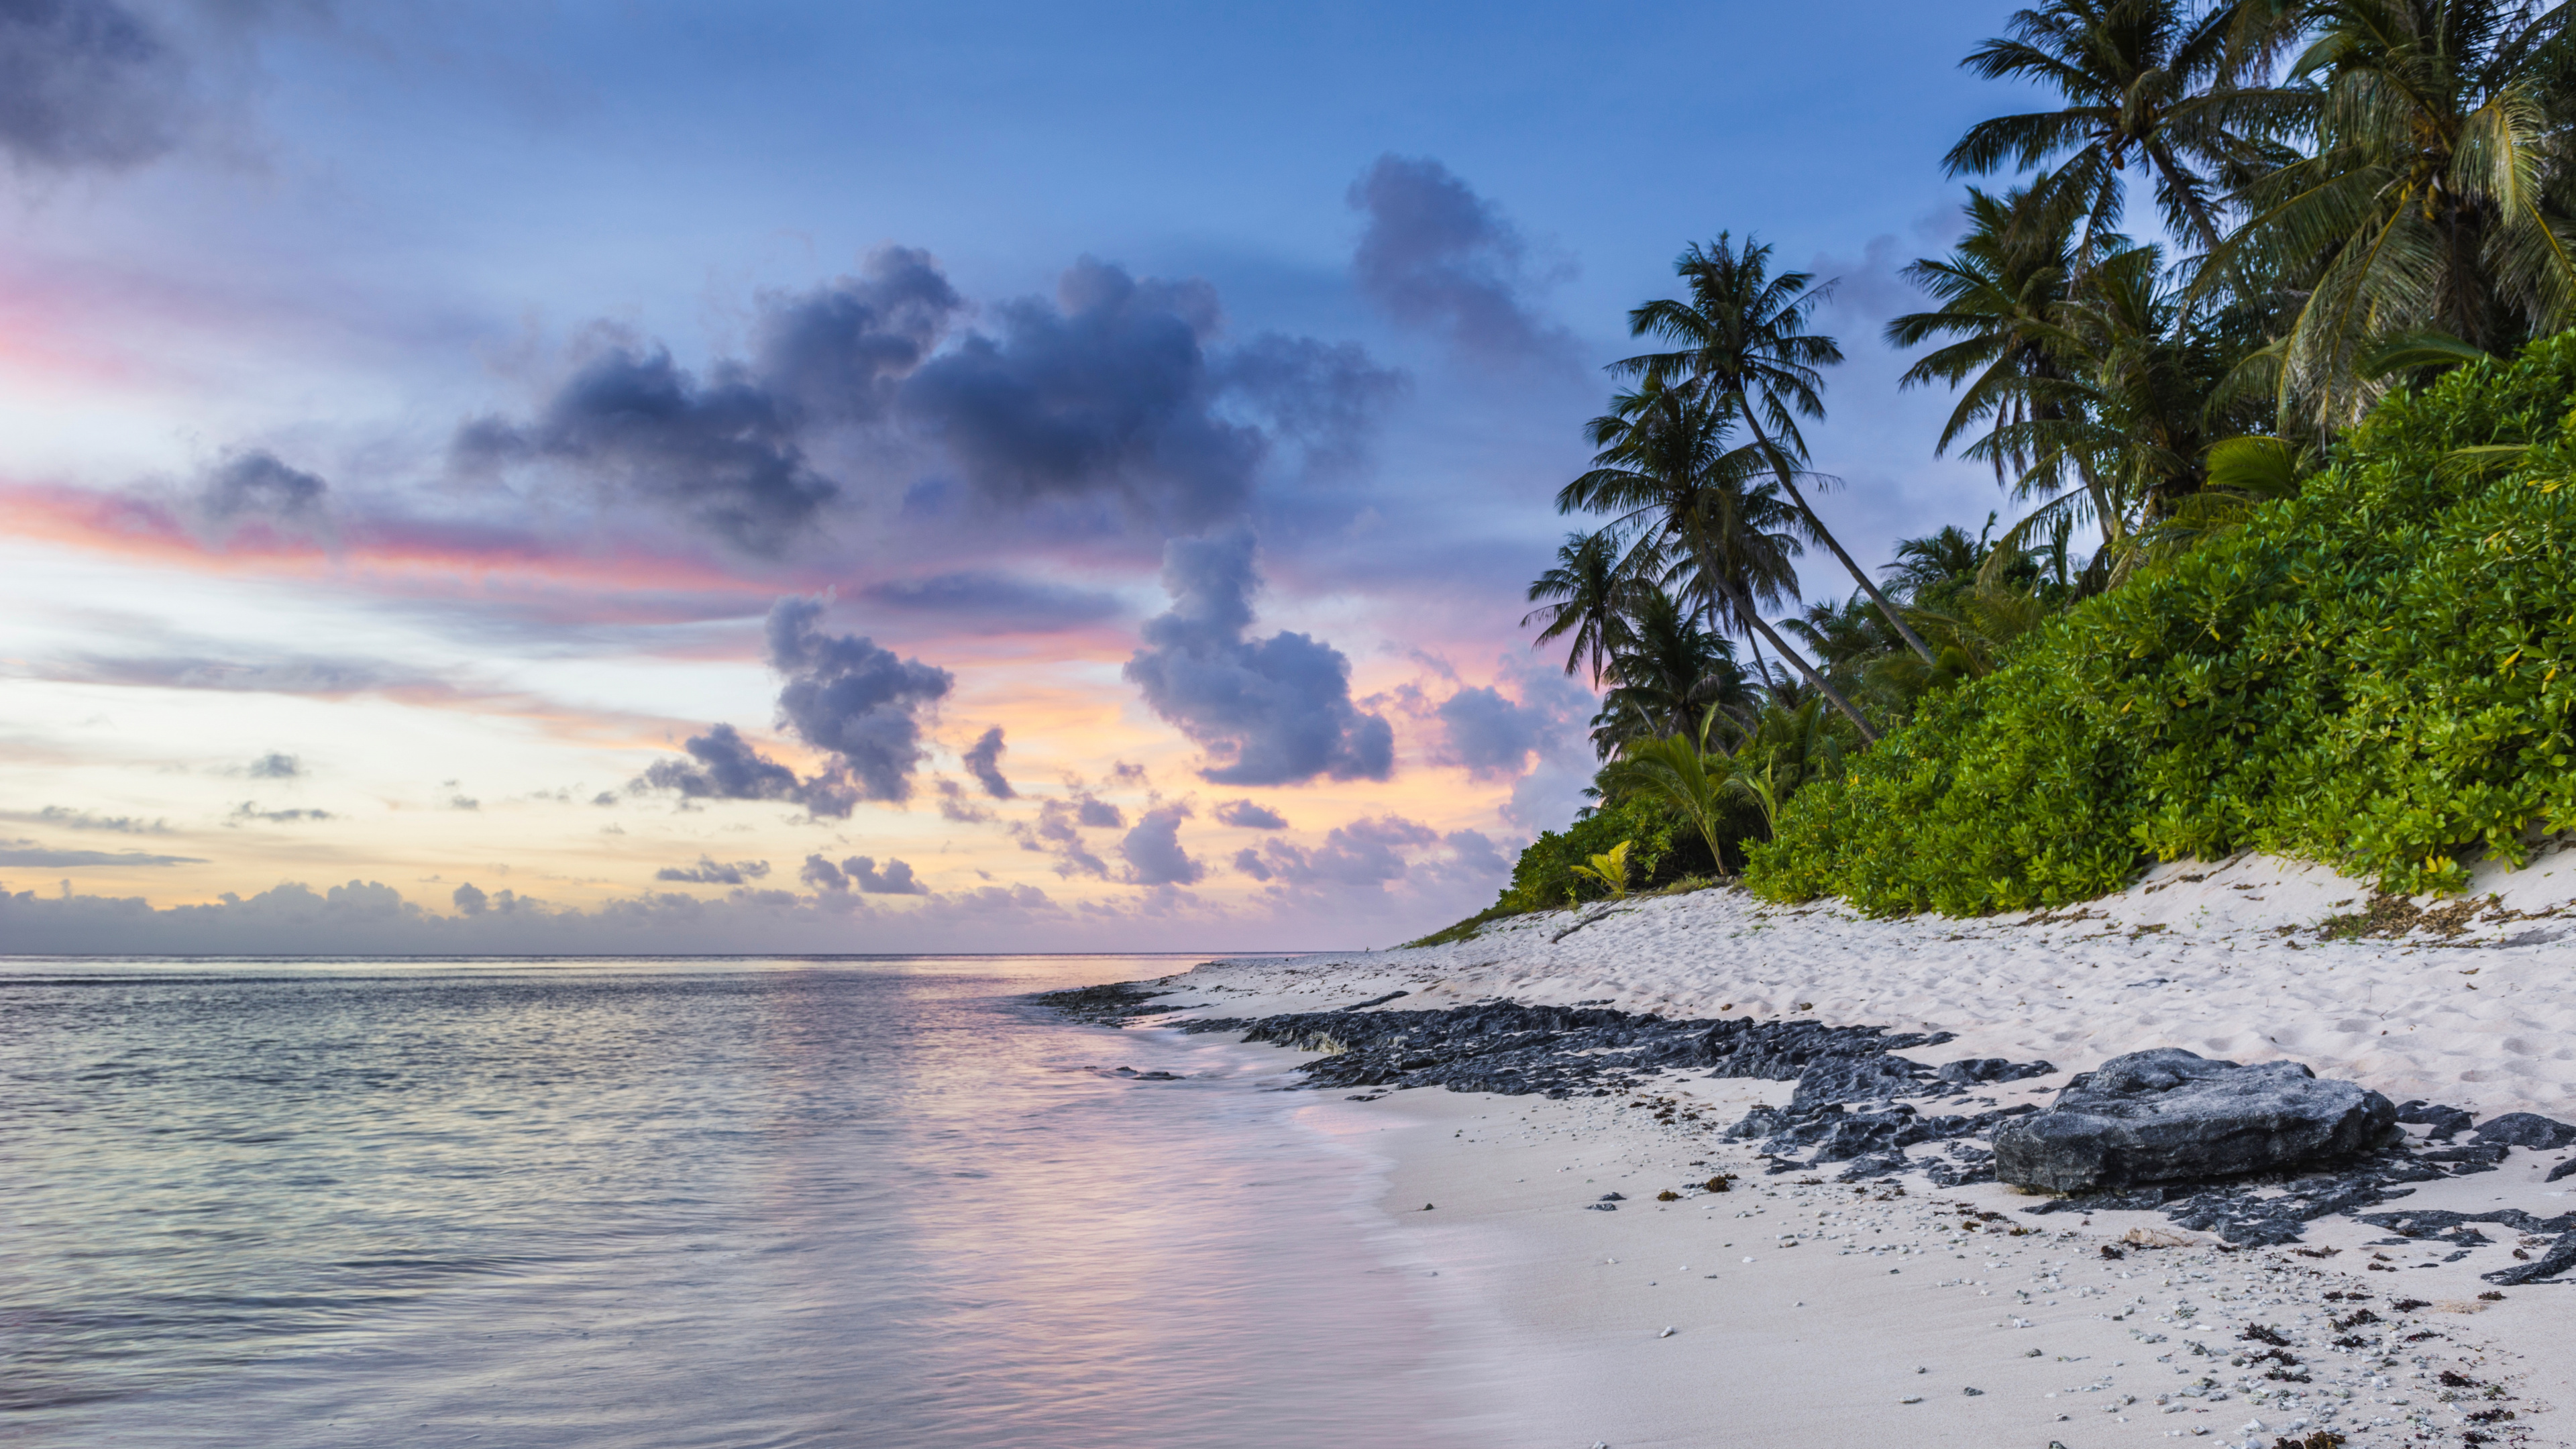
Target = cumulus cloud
(1269,711)
(846,696)
(838,351)
(1436,255)
(1364,854)
(1246,815)
(1493,737)
(1153,849)
(722,765)
(29,853)
(984,762)
(1095,813)
(84,83)
(715,872)
(860,872)
(1106,391)
(721,452)
(1057,832)
(469,900)
(275,766)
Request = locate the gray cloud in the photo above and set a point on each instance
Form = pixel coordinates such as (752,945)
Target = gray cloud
(64,817)
(1270,711)
(1153,849)
(722,453)
(469,900)
(249,810)
(715,872)
(954,805)
(1097,814)
(1364,854)
(1243,814)
(722,765)
(984,762)
(1327,397)
(861,872)
(257,484)
(29,853)
(838,351)
(84,83)
(1491,736)
(997,603)
(1105,391)
(1057,832)
(275,766)
(1438,256)
(1248,861)
(849,697)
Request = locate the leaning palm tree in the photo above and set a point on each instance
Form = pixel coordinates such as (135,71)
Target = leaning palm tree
(2143,81)
(1665,470)
(1586,595)
(1743,335)
(2428,220)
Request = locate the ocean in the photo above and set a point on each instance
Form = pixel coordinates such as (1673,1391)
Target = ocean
(878,1202)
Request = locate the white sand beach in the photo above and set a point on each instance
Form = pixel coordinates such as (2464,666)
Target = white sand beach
(1794,1309)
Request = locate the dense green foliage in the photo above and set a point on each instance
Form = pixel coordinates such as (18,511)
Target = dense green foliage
(2373,674)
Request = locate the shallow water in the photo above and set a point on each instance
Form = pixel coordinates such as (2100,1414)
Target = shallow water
(614,1203)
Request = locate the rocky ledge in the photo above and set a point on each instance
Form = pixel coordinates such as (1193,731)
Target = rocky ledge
(2251,1154)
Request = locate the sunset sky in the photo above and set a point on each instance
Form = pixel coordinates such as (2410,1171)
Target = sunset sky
(611,477)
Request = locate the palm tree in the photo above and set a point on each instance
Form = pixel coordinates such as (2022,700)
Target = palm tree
(2144,81)
(1743,334)
(1669,672)
(1590,589)
(2429,219)
(1999,291)
(1665,470)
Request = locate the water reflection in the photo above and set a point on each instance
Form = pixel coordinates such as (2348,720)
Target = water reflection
(653,1203)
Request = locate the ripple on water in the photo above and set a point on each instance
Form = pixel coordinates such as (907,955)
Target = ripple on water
(612,1204)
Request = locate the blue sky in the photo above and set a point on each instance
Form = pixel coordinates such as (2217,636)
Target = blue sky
(1062,371)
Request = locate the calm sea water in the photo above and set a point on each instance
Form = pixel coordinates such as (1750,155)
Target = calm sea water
(630,1203)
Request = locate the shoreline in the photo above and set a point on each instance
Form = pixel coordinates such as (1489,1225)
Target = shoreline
(1955,1315)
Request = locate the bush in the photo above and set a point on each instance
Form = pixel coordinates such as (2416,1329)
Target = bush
(2374,674)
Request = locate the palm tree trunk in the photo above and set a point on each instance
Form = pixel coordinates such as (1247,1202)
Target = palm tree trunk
(1753,619)
(1780,465)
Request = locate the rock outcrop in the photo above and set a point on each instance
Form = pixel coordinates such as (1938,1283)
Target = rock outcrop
(2173,1116)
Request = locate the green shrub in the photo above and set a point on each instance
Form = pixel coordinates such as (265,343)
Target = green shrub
(2375,674)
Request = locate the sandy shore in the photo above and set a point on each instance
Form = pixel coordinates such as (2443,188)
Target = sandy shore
(1799,1310)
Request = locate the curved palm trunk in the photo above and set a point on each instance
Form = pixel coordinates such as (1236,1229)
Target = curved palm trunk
(1753,619)
(1895,618)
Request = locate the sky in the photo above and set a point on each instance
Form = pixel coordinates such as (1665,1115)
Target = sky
(569,478)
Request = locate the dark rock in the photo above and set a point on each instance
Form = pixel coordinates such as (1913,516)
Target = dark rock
(2563,1169)
(1613,1197)
(2430,1222)
(1982,1071)
(2525,1129)
(1602,1207)
(2560,1257)
(2170,1115)
(1110,1005)
(2446,1122)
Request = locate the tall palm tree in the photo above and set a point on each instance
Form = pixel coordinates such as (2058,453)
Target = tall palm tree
(1665,469)
(2143,81)
(2430,214)
(1999,294)
(1586,594)
(1743,335)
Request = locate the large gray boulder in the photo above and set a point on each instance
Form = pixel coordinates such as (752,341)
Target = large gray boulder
(2169,1115)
